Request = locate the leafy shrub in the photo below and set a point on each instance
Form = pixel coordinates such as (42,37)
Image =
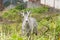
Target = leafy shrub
(21,6)
(58,24)
(12,14)
(38,10)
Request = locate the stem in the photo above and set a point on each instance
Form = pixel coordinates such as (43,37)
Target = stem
(54,34)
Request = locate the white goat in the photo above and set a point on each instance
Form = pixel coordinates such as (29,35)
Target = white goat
(29,24)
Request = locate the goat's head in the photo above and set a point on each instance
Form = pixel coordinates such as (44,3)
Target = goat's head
(26,15)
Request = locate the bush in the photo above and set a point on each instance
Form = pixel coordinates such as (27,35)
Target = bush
(12,14)
(21,6)
(38,10)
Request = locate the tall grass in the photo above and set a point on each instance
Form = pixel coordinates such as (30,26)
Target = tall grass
(13,31)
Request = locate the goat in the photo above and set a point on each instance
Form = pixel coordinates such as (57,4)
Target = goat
(29,25)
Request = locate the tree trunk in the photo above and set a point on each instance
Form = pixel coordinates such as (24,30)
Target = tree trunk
(1,5)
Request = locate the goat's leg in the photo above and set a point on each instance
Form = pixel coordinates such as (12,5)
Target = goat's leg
(28,32)
(35,30)
(23,30)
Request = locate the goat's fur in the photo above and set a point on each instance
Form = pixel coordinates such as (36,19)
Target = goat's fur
(29,25)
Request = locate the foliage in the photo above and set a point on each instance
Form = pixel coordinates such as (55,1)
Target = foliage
(41,9)
(52,22)
(7,3)
(12,14)
(16,37)
(21,6)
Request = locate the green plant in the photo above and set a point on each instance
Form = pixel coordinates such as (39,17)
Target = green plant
(16,37)
(11,14)
(38,10)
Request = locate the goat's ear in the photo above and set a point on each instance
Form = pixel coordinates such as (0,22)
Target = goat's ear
(22,13)
(28,12)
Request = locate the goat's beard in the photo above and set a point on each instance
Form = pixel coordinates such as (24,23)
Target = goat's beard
(27,28)
(27,25)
